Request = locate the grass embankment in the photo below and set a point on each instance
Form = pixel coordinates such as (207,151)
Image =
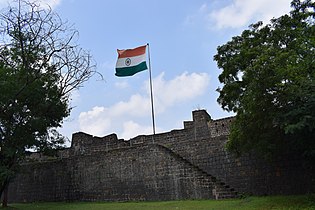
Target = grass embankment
(268,202)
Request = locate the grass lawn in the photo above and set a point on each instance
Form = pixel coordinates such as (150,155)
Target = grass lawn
(268,202)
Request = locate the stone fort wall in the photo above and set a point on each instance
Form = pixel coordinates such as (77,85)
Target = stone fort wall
(190,163)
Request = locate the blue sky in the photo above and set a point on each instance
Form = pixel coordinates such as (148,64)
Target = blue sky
(183,37)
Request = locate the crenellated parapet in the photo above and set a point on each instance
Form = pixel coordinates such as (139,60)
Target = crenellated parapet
(201,126)
(220,127)
(202,123)
(188,163)
(83,143)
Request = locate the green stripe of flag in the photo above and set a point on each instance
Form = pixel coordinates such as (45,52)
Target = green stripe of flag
(129,71)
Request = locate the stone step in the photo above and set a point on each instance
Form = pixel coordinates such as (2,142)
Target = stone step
(222,191)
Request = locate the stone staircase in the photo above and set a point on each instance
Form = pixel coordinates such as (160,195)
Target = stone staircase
(220,190)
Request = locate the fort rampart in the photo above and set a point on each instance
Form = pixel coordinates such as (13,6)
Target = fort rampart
(190,163)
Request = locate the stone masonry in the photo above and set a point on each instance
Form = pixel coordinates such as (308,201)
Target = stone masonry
(190,163)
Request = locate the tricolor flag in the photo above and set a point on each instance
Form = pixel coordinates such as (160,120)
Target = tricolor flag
(131,61)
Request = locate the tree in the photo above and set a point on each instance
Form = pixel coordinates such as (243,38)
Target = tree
(269,82)
(40,65)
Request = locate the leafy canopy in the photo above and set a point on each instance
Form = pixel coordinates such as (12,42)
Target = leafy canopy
(269,82)
(40,64)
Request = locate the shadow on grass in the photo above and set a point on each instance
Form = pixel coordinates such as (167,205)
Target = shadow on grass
(244,203)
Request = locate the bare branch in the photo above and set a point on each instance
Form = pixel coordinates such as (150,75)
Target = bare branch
(30,30)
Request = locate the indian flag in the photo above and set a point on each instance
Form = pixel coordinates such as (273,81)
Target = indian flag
(131,61)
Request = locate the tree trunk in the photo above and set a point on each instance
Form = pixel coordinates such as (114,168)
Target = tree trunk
(5,195)
(1,191)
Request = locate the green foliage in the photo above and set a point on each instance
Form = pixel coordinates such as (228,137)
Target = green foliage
(39,67)
(252,203)
(269,82)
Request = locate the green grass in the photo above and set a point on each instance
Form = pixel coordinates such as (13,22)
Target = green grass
(261,203)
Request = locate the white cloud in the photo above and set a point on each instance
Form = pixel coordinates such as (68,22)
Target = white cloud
(137,105)
(131,129)
(183,87)
(241,13)
(129,118)
(95,121)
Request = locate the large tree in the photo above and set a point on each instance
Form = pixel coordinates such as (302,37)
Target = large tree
(269,82)
(40,64)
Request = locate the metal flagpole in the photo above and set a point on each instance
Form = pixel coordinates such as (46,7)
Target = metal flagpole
(151,91)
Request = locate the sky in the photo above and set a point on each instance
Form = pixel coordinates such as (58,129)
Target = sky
(183,36)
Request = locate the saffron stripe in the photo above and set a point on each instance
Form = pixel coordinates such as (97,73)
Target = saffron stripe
(131,52)
(129,71)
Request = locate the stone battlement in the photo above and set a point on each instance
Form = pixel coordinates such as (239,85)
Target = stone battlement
(81,142)
(189,163)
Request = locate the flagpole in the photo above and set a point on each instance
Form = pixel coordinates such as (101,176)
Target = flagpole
(151,92)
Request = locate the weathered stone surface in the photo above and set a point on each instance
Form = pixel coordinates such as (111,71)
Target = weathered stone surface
(190,163)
